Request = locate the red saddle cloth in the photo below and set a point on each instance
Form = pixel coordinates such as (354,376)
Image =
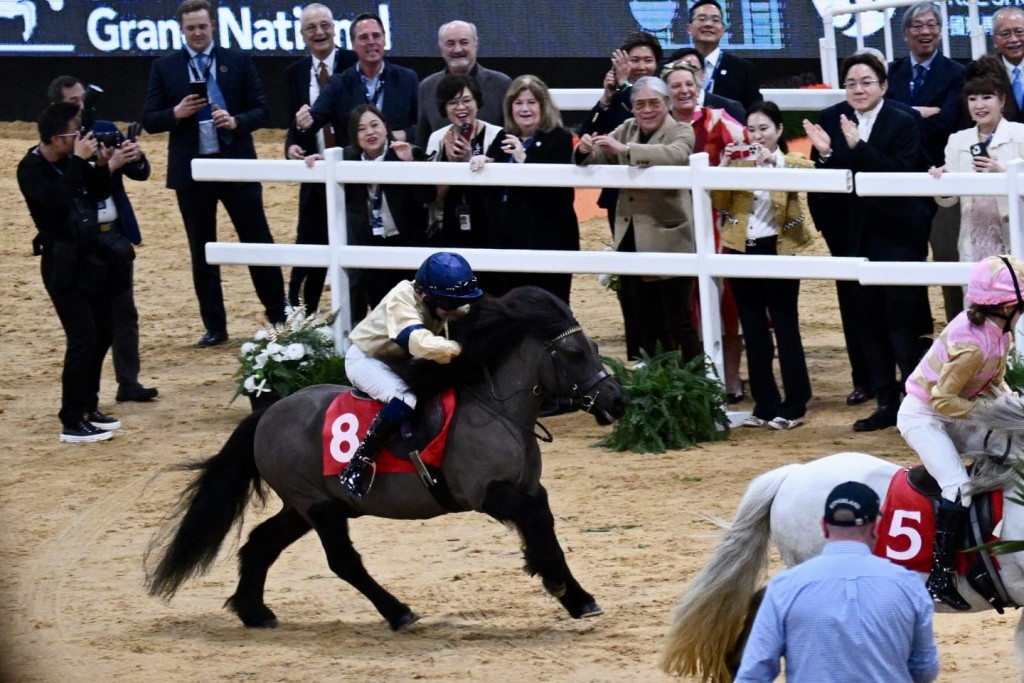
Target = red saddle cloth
(345,425)
(908,526)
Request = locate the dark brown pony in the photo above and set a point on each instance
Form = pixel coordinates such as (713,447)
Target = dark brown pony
(518,349)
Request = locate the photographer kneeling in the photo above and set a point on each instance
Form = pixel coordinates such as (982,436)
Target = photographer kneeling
(62,189)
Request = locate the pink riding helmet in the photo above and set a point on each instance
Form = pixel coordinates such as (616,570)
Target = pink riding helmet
(996,280)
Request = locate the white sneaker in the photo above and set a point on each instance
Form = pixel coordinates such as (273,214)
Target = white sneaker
(754,421)
(84,432)
(782,423)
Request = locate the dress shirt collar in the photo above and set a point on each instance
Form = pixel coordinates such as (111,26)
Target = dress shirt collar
(712,57)
(927,64)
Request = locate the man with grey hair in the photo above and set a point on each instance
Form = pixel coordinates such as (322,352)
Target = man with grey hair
(1008,40)
(933,86)
(459,44)
(304,80)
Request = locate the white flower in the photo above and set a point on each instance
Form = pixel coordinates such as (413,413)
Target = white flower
(248,347)
(261,387)
(294,352)
(260,360)
(327,333)
(260,335)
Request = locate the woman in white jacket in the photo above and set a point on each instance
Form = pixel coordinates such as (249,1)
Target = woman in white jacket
(985,148)
(458,217)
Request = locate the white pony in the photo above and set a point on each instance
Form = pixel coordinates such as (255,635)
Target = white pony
(785,506)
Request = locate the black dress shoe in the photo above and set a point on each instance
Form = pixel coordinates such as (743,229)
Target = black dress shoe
(135,392)
(859,395)
(212,339)
(883,418)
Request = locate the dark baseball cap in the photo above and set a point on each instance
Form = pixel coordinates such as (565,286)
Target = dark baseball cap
(854,496)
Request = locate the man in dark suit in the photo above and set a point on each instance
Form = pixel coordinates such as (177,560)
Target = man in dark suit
(217,125)
(372,80)
(1008,40)
(727,75)
(934,86)
(303,81)
(886,326)
(127,160)
(459,44)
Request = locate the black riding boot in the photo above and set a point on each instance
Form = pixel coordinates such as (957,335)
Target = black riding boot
(384,425)
(949,525)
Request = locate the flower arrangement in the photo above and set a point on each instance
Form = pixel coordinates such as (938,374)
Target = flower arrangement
(282,359)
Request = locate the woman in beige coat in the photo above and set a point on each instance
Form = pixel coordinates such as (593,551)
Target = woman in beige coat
(657,308)
(768,223)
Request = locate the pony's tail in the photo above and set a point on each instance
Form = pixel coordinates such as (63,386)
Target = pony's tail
(208,507)
(710,615)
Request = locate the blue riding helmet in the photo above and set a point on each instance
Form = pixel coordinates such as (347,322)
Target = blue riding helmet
(448,275)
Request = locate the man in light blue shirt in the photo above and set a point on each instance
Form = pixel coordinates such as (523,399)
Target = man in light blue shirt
(845,615)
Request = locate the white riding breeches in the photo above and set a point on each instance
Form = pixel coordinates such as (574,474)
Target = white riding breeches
(375,377)
(926,432)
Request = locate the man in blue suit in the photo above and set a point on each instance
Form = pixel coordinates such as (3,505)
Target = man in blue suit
(304,81)
(934,86)
(127,160)
(372,80)
(217,125)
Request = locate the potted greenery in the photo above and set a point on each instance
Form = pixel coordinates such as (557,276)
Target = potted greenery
(280,360)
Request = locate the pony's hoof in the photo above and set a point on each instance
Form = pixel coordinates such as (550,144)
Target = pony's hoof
(404,621)
(555,590)
(591,609)
(261,623)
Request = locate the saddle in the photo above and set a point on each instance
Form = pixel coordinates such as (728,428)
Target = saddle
(417,448)
(984,514)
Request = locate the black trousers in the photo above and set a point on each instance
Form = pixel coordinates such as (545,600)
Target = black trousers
(766,305)
(244,204)
(125,344)
(894,324)
(82,293)
(312,229)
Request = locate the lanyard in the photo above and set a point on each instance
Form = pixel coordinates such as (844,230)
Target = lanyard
(378,90)
(194,69)
(709,75)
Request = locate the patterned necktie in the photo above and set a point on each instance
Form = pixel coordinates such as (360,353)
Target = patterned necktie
(915,85)
(213,93)
(323,77)
(1018,88)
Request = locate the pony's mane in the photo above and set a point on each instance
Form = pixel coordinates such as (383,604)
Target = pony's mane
(493,328)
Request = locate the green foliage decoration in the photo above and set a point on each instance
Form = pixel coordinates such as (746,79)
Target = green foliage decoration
(672,404)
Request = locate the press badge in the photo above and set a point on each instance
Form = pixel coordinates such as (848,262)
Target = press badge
(463,212)
(377,223)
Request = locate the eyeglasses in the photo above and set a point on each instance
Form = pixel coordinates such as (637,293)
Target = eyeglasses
(323,26)
(865,84)
(67,135)
(1016,33)
(707,19)
(929,26)
(466,102)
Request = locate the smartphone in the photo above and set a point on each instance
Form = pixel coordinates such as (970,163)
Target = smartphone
(198,88)
(467,132)
(979,149)
(134,129)
(745,151)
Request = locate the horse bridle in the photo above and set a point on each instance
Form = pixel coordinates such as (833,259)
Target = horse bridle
(579,396)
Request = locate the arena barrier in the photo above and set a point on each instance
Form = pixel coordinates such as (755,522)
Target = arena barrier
(698,177)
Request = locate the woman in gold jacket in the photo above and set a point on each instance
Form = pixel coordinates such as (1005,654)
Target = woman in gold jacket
(772,223)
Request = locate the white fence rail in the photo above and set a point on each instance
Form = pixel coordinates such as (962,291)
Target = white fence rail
(704,264)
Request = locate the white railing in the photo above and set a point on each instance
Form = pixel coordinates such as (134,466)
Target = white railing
(788,99)
(827,45)
(698,177)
